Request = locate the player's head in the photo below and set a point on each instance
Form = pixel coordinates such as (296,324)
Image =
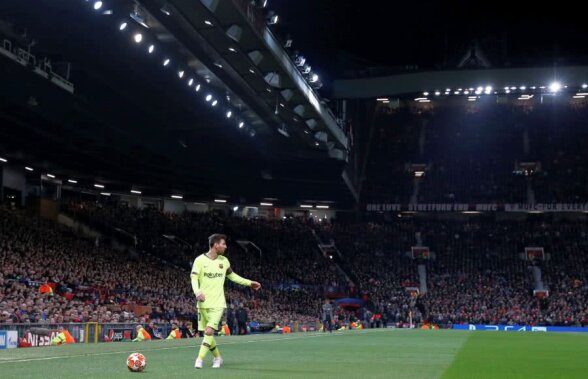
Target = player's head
(138,327)
(218,243)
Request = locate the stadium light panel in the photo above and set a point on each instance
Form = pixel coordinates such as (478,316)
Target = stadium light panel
(166,62)
(190,82)
(97,5)
(437,93)
(266,204)
(3,160)
(235,209)
(197,88)
(51,176)
(305,206)
(322,206)
(178,197)
(584,86)
(220,201)
(229,114)
(274,19)
(180,74)
(136,192)
(208,98)
(214,103)
(29,169)
(98,186)
(72,181)
(138,37)
(209,23)
(151,49)
(241,125)
(165,10)
(105,193)
(555,87)
(122,26)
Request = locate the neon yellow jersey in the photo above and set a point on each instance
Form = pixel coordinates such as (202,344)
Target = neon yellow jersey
(208,277)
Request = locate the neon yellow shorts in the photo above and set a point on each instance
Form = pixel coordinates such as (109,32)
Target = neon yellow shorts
(209,317)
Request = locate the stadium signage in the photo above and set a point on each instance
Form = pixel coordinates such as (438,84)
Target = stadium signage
(519,328)
(114,335)
(492,207)
(37,340)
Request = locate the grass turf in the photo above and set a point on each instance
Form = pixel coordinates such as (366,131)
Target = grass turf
(351,354)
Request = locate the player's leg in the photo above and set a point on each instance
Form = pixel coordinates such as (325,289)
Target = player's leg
(205,346)
(214,317)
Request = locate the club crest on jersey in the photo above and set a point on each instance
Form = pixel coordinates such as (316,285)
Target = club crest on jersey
(220,265)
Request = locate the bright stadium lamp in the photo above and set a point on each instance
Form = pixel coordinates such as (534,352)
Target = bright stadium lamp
(555,87)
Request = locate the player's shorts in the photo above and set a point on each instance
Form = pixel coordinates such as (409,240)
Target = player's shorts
(209,317)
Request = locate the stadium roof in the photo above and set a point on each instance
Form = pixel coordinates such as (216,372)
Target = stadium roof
(131,121)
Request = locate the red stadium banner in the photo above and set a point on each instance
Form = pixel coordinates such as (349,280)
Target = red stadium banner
(534,253)
(420,252)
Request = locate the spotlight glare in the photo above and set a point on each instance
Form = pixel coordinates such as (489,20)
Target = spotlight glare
(555,87)
(165,62)
(97,5)
(151,49)
(198,88)
(241,125)
(123,26)
(214,103)
(29,169)
(208,22)
(190,82)
(138,37)
(208,98)
(181,74)
(229,114)
(584,86)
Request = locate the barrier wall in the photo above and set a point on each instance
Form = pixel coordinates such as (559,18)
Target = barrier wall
(521,328)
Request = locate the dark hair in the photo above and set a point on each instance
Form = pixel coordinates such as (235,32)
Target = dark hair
(216,238)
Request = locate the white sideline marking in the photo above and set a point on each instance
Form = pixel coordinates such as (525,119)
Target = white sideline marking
(4,361)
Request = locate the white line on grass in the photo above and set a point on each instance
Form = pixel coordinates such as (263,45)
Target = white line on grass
(174,347)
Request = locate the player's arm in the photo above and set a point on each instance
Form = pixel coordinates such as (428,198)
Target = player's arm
(194,275)
(233,277)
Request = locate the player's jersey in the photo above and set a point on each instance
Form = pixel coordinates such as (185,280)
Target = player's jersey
(211,280)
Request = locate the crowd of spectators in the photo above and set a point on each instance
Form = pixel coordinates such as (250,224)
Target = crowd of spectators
(473,154)
(476,273)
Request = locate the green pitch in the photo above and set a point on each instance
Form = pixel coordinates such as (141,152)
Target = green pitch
(351,354)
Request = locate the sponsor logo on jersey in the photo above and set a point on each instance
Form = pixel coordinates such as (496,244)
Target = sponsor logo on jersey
(211,275)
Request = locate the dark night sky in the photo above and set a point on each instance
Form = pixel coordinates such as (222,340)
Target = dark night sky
(433,34)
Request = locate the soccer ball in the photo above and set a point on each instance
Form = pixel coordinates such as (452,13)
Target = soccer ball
(136,362)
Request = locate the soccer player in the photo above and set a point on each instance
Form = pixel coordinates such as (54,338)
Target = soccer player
(208,278)
(327,316)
